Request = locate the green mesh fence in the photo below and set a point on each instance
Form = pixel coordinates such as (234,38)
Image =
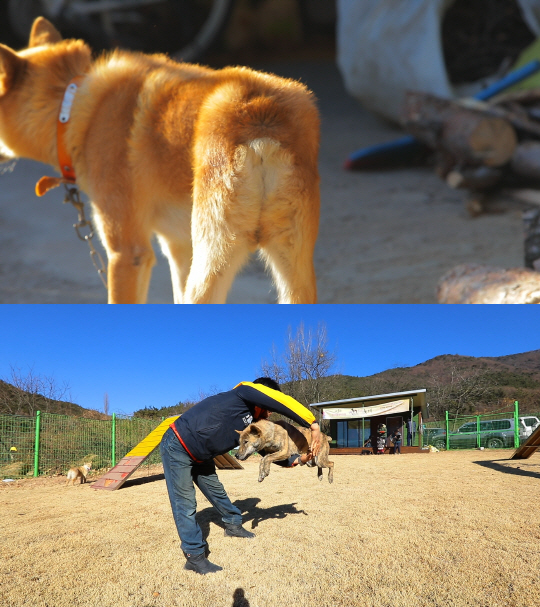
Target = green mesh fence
(501,430)
(130,432)
(431,432)
(51,444)
(17,440)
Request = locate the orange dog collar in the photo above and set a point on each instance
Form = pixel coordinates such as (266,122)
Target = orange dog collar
(64,157)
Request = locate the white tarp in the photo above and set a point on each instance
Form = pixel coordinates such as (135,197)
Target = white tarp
(385,47)
(396,406)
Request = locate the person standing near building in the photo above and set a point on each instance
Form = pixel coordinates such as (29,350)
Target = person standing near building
(380,439)
(211,428)
(411,432)
(396,439)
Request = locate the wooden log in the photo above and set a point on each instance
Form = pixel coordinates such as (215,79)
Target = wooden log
(467,133)
(534,112)
(519,119)
(474,178)
(525,195)
(524,97)
(531,225)
(526,159)
(475,284)
(476,204)
(477,139)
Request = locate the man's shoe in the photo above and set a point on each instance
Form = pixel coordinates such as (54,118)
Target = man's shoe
(200,564)
(237,531)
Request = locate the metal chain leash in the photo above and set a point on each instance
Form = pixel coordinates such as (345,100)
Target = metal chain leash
(73,197)
(9,167)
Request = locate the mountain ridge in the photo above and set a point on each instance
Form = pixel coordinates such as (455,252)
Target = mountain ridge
(491,382)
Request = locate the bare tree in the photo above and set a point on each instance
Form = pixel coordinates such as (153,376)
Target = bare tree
(106,404)
(32,392)
(304,368)
(459,392)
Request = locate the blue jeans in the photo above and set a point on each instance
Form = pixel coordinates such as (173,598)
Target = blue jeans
(181,475)
(397,447)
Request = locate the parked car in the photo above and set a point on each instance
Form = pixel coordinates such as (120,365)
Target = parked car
(493,434)
(529,425)
(430,434)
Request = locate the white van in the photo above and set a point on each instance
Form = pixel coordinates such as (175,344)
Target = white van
(527,425)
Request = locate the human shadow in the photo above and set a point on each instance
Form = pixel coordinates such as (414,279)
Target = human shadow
(507,469)
(239,598)
(251,512)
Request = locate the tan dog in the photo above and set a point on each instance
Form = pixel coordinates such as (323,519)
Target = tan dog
(215,163)
(80,472)
(278,441)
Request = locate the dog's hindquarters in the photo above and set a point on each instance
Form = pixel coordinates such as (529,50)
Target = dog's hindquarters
(255,187)
(301,439)
(321,460)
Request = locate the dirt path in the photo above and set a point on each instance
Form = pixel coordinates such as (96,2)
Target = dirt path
(456,529)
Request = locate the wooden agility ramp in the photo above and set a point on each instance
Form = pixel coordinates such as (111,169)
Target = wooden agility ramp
(118,475)
(529,446)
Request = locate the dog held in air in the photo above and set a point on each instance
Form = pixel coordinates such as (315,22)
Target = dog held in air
(217,164)
(278,441)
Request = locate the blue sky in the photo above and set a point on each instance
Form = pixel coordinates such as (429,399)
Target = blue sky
(160,355)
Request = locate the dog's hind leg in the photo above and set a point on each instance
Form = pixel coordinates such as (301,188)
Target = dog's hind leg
(322,461)
(330,472)
(288,235)
(213,270)
(173,228)
(291,265)
(224,224)
(179,256)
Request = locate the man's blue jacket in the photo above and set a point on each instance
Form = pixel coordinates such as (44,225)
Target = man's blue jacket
(210,427)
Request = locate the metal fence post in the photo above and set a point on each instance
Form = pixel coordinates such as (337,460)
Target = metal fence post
(447,431)
(516,424)
(36,443)
(113,440)
(478,431)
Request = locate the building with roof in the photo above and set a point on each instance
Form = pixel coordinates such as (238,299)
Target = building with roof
(354,420)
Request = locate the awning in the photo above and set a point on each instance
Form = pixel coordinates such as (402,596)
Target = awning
(378,404)
(396,406)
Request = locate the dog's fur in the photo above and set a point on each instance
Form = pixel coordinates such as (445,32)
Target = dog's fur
(80,472)
(278,441)
(215,163)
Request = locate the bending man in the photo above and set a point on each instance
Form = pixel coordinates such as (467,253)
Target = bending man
(209,429)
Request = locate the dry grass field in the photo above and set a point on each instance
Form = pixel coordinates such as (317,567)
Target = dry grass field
(444,529)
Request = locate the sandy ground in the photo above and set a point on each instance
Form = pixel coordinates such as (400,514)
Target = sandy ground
(456,529)
(385,237)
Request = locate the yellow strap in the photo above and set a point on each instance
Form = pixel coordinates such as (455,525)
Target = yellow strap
(284,399)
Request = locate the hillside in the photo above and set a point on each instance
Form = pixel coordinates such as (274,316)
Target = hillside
(14,401)
(480,384)
(463,384)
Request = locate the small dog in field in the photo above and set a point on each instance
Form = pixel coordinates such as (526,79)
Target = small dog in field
(217,164)
(278,441)
(80,472)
